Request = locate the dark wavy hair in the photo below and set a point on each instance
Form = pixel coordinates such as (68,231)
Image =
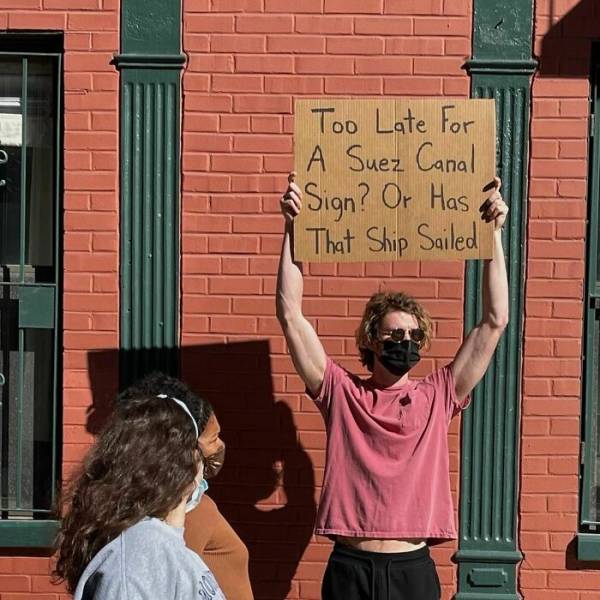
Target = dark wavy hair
(160,383)
(142,464)
(379,305)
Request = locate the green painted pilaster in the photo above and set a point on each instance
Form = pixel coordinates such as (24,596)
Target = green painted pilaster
(150,93)
(488,555)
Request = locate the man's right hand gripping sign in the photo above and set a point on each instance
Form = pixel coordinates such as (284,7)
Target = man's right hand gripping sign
(386,488)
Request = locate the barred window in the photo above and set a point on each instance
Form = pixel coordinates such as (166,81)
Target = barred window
(30,93)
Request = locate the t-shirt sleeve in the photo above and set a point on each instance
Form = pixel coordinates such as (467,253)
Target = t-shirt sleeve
(445,390)
(333,375)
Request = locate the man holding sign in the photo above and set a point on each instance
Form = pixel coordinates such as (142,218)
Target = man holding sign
(386,489)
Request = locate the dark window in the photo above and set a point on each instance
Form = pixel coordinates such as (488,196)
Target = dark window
(30,94)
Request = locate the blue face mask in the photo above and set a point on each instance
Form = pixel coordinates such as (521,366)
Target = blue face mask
(203,485)
(196,495)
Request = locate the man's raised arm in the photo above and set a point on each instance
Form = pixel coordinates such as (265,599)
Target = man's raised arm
(475,354)
(305,347)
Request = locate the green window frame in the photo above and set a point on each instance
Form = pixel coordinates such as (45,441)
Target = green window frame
(588,538)
(30,276)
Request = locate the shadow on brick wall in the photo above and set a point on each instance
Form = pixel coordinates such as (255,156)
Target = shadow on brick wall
(266,488)
(566,51)
(571,561)
(566,47)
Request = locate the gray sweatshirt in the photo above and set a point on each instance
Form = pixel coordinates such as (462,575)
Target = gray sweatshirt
(148,561)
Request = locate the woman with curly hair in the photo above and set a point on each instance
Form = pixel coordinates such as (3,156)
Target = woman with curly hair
(122,531)
(207,531)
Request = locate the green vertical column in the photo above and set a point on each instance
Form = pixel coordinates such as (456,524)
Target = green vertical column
(150,94)
(501,68)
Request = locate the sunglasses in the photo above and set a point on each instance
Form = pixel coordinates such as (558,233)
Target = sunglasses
(398,334)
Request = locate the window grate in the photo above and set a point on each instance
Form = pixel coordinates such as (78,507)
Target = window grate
(30,109)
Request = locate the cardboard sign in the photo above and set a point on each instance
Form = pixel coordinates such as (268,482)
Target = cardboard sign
(393,179)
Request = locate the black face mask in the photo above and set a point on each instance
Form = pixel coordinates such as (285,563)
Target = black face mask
(399,357)
(214,463)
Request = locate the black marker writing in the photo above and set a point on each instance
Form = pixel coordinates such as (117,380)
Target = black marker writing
(450,240)
(324,243)
(427,162)
(392,165)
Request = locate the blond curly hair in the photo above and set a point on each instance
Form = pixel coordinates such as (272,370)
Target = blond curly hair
(379,305)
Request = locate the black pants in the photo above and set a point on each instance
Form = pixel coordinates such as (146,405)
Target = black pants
(353,574)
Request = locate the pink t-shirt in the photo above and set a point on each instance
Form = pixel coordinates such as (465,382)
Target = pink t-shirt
(387,467)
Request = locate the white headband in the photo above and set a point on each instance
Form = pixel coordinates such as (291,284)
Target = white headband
(187,410)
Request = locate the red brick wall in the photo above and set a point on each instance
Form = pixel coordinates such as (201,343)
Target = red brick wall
(90,316)
(248,60)
(554,292)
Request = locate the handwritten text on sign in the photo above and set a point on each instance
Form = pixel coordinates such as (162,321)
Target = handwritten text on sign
(393,179)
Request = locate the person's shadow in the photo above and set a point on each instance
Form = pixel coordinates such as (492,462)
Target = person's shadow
(565,49)
(266,488)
